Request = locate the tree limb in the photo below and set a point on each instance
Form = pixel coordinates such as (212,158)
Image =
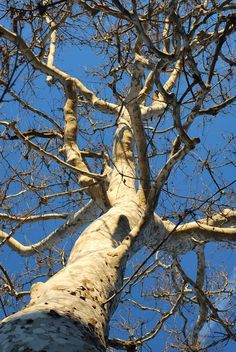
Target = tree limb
(34,146)
(56,73)
(138,128)
(71,148)
(73,223)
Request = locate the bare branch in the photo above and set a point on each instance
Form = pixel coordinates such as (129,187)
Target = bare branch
(138,128)
(71,149)
(73,223)
(164,174)
(207,233)
(160,323)
(52,47)
(213,110)
(203,310)
(27,106)
(57,74)
(49,155)
(33,218)
(187,236)
(206,301)
(221,40)
(9,286)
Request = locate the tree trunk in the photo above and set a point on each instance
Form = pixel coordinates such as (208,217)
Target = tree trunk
(161,72)
(68,312)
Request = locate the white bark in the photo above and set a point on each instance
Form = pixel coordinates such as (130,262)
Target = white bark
(68,312)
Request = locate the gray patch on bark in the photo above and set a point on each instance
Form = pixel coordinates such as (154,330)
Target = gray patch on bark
(49,332)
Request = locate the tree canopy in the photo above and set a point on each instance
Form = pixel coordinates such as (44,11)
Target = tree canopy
(117,122)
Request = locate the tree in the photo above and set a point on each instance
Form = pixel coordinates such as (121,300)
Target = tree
(123,160)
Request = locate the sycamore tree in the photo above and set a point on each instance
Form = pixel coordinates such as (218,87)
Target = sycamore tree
(117,174)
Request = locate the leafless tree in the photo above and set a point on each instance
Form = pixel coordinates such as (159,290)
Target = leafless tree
(112,129)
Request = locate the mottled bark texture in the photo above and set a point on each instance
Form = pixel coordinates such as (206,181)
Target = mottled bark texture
(67,313)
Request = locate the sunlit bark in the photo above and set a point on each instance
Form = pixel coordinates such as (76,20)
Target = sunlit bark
(72,310)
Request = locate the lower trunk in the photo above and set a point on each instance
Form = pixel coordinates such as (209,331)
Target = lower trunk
(68,312)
